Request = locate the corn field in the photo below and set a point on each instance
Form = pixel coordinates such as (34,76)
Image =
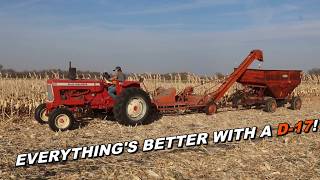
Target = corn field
(20,96)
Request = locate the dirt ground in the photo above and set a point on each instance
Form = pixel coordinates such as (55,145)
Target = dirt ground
(289,157)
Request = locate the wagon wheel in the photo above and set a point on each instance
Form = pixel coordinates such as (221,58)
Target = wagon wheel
(237,98)
(40,114)
(61,119)
(211,108)
(296,103)
(270,105)
(236,101)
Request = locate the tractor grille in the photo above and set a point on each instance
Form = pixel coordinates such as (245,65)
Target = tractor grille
(50,92)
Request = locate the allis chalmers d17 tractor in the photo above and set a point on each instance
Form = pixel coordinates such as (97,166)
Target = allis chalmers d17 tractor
(70,100)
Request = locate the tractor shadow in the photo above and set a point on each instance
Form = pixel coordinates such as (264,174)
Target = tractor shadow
(81,123)
(85,121)
(155,116)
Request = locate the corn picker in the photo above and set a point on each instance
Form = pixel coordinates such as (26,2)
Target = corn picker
(71,99)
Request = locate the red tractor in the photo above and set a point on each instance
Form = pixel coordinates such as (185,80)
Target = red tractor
(71,99)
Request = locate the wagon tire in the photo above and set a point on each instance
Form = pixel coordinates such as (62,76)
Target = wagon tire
(270,105)
(235,102)
(296,103)
(61,119)
(133,107)
(211,108)
(39,114)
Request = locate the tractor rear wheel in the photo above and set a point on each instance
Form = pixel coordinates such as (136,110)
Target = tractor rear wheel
(271,105)
(61,119)
(296,103)
(133,107)
(40,114)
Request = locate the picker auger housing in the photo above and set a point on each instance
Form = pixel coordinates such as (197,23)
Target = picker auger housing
(70,100)
(168,100)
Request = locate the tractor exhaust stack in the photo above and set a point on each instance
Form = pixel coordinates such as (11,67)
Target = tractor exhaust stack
(72,72)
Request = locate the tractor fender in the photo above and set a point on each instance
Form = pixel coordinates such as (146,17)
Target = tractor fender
(127,84)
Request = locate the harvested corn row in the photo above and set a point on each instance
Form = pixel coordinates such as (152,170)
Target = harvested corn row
(20,96)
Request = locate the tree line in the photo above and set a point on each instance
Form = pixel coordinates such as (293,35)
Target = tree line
(23,74)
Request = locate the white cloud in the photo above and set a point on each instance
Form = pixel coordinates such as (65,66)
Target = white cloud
(14,6)
(195,4)
(101,46)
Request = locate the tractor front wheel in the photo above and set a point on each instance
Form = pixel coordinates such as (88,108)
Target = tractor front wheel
(40,114)
(296,103)
(61,119)
(133,107)
(271,105)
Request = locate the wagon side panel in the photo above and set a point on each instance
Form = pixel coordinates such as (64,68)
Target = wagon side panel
(281,83)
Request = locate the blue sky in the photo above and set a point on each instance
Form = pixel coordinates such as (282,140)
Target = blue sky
(201,36)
